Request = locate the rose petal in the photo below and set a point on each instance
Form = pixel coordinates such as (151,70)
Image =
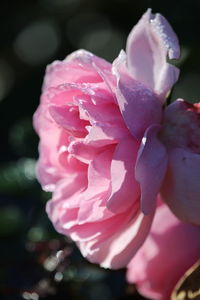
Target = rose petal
(77,67)
(118,250)
(68,118)
(125,189)
(181,188)
(139,106)
(171,247)
(66,196)
(98,138)
(150,168)
(149,45)
(98,175)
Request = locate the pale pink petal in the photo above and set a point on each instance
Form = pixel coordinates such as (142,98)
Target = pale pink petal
(111,241)
(181,187)
(151,42)
(64,210)
(88,60)
(50,168)
(139,106)
(125,189)
(83,151)
(103,113)
(92,234)
(77,67)
(92,207)
(150,168)
(93,210)
(75,93)
(105,135)
(99,174)
(66,197)
(98,139)
(104,70)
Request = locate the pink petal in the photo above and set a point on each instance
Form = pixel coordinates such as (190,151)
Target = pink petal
(181,188)
(100,136)
(149,45)
(98,175)
(125,189)
(98,139)
(116,251)
(103,113)
(49,167)
(66,196)
(139,106)
(150,168)
(102,229)
(68,118)
(77,67)
(170,249)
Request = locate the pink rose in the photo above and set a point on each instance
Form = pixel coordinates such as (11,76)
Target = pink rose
(179,139)
(170,249)
(181,135)
(91,121)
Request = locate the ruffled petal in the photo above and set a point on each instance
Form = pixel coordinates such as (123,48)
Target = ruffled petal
(116,251)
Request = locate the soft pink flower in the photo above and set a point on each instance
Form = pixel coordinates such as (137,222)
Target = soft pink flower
(170,249)
(91,121)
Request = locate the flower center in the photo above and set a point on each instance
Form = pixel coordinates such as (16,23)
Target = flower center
(181,126)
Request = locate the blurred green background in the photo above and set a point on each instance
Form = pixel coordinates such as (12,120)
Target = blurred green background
(36,262)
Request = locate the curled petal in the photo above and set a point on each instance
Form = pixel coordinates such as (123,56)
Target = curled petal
(150,168)
(181,188)
(151,42)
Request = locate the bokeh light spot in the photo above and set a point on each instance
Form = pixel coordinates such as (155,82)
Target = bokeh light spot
(95,33)
(58,276)
(37,234)
(37,42)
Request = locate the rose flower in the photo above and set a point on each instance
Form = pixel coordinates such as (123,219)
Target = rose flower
(93,120)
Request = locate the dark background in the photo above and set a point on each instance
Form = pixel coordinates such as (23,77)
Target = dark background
(33,34)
